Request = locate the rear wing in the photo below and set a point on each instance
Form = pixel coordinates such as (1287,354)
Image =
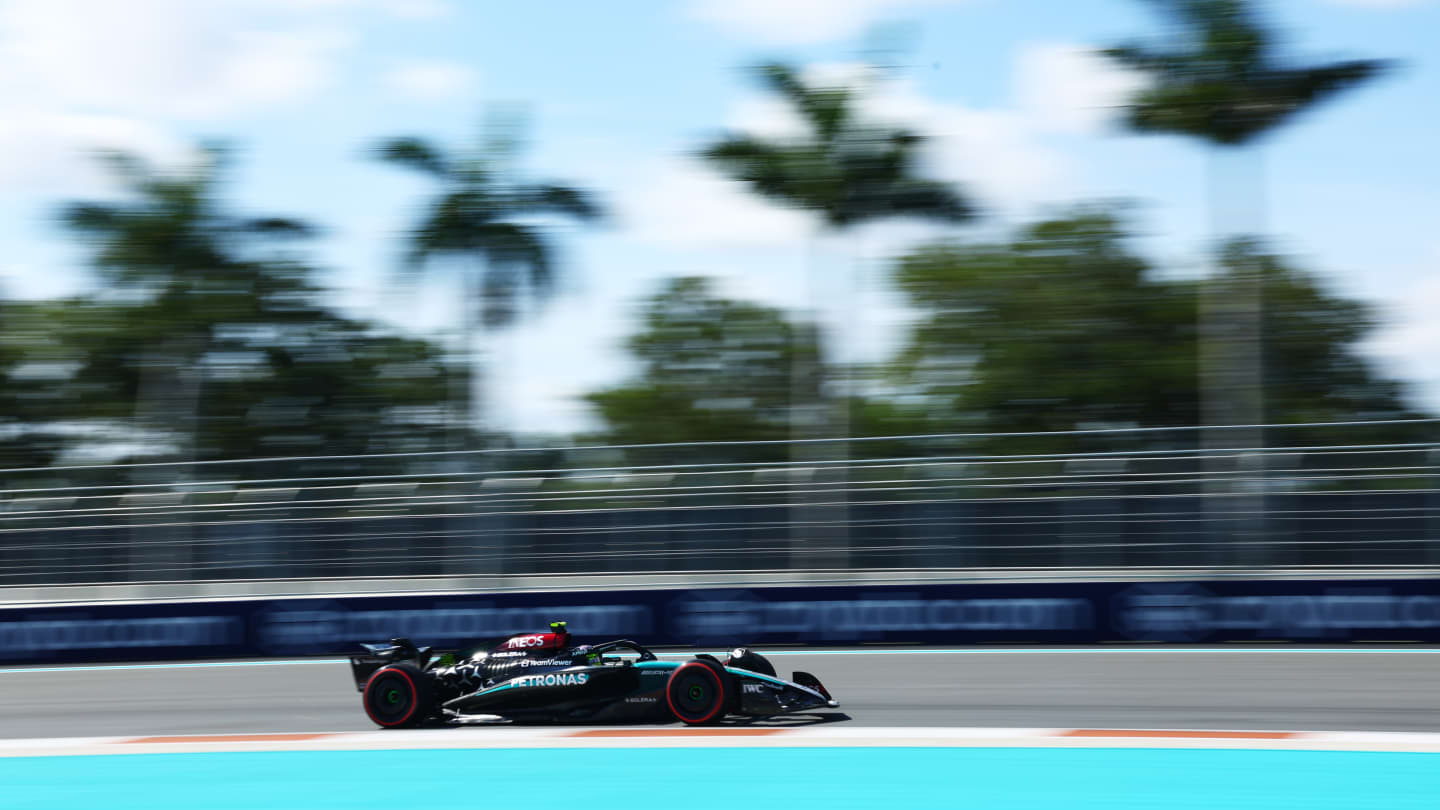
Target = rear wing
(376,656)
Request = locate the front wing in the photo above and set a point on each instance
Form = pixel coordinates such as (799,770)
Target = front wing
(766,695)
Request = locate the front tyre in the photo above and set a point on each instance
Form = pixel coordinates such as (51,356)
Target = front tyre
(697,692)
(398,696)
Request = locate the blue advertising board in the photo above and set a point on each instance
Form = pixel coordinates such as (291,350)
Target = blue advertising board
(1333,611)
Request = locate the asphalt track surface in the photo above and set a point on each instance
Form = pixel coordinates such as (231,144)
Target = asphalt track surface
(1354,688)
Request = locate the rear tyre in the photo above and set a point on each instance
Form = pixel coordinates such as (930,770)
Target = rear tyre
(398,696)
(697,692)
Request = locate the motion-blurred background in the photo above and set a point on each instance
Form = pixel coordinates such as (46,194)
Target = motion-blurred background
(407,288)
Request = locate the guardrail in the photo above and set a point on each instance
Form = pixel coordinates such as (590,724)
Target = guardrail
(1329,494)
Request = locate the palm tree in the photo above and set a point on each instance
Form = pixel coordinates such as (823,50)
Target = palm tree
(1223,79)
(172,241)
(172,236)
(484,219)
(848,171)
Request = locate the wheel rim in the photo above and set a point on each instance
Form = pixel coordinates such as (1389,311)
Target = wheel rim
(391,698)
(695,693)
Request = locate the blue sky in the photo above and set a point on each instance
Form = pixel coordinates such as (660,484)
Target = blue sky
(618,94)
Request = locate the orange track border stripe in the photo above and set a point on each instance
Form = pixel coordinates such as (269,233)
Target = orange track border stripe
(226,738)
(1197,735)
(676,732)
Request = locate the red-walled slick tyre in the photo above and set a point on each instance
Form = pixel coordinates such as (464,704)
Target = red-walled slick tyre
(697,692)
(398,696)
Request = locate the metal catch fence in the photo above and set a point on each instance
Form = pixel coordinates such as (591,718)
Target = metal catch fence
(1318,495)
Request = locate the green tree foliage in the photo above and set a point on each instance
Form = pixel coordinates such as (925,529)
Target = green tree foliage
(210,342)
(172,237)
(847,170)
(27,439)
(1313,371)
(275,379)
(712,369)
(1223,77)
(1066,327)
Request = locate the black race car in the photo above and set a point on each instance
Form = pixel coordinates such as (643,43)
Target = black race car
(541,677)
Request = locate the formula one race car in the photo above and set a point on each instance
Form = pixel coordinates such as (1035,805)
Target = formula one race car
(542,678)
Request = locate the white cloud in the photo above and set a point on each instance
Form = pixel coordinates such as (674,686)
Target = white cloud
(799,22)
(430,81)
(164,58)
(1069,88)
(270,67)
(996,152)
(540,373)
(53,152)
(765,117)
(1378,3)
(1408,342)
(402,9)
(417,9)
(680,202)
(83,75)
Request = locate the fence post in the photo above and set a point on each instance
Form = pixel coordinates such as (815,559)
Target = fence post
(493,529)
(1432,545)
(1093,498)
(159,542)
(1248,502)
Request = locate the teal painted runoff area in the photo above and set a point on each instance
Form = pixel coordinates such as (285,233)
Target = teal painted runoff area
(700,778)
